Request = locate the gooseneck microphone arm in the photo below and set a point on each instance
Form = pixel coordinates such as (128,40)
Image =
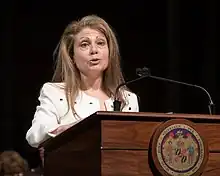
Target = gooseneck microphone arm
(117,102)
(211,105)
(144,73)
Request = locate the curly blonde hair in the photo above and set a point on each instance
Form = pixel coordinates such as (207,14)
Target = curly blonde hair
(67,72)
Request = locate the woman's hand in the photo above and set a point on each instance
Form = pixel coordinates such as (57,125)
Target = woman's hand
(56,131)
(61,129)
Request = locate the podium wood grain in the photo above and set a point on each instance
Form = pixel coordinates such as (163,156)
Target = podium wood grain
(135,163)
(137,134)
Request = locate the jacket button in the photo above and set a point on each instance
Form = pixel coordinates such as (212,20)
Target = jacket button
(129,108)
(61,99)
(90,102)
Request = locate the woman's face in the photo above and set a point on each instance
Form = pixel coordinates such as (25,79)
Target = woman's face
(91,52)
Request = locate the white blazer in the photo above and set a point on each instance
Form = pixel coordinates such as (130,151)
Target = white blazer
(52,111)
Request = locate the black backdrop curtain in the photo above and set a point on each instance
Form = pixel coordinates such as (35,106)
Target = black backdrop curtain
(175,39)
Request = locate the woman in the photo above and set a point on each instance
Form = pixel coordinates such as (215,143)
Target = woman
(86,76)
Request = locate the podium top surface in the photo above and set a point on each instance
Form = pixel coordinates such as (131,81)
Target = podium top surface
(157,115)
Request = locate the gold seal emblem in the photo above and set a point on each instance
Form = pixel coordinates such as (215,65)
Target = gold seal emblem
(179,149)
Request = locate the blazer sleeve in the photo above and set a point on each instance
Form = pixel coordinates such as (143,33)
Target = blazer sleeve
(45,118)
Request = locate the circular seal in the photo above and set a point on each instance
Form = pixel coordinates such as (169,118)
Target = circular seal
(178,149)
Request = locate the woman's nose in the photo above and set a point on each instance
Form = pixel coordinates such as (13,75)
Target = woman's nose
(94,49)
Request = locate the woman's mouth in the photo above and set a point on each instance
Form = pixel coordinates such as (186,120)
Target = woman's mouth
(94,61)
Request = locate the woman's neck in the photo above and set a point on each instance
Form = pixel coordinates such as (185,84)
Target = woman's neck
(91,83)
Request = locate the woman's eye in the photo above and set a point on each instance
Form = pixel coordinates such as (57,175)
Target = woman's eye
(83,45)
(101,43)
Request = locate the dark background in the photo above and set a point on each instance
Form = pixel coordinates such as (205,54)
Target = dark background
(175,39)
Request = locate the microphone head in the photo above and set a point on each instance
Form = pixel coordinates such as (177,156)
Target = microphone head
(143,71)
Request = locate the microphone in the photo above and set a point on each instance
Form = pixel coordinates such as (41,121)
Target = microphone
(145,72)
(117,102)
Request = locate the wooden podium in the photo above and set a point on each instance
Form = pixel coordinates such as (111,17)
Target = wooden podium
(123,144)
